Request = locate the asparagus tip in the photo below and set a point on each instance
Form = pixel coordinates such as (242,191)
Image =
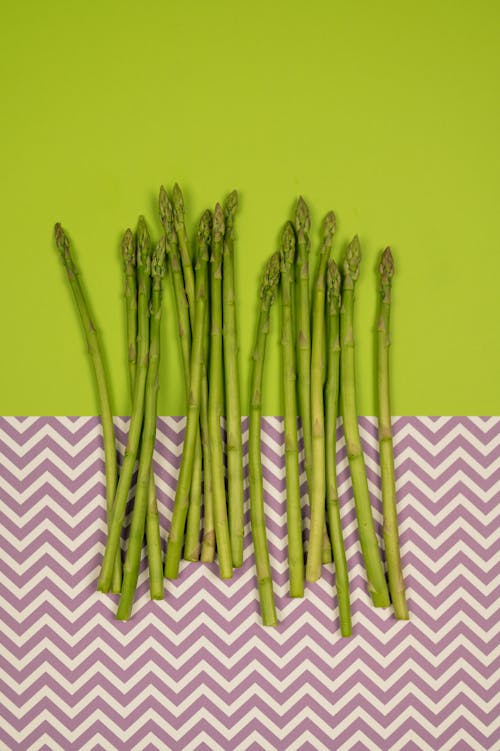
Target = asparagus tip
(330,225)
(287,245)
(352,259)
(62,240)
(333,286)
(270,279)
(386,271)
(386,267)
(158,259)
(230,205)
(128,247)
(218,223)
(178,201)
(205,233)
(302,217)
(143,239)
(166,210)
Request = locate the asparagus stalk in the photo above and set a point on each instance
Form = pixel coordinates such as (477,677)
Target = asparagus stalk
(182,307)
(152,526)
(215,398)
(390,528)
(134,434)
(268,290)
(192,538)
(153,541)
(331,411)
(129,269)
(176,535)
(192,550)
(293,510)
(187,267)
(94,349)
(302,228)
(231,375)
(303,339)
(142,496)
(377,585)
(207,554)
(317,492)
(192,532)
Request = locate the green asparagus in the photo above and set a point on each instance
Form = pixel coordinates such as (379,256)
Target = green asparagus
(293,509)
(207,554)
(129,269)
(331,410)
(215,399)
(302,227)
(184,327)
(268,290)
(390,528)
(192,543)
(182,238)
(152,522)
(303,339)
(317,492)
(142,496)
(63,245)
(192,537)
(118,512)
(231,375)
(377,585)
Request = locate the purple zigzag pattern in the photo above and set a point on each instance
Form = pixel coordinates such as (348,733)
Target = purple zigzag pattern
(198,671)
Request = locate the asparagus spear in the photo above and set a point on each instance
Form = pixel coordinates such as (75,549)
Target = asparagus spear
(377,585)
(207,554)
(187,267)
(293,510)
(317,490)
(182,308)
(231,375)
(94,349)
(331,411)
(134,434)
(215,398)
(390,529)
(176,535)
(129,269)
(268,289)
(152,526)
(302,227)
(192,535)
(142,496)
(303,338)
(192,538)
(192,542)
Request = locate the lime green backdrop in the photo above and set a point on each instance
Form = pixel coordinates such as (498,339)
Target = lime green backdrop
(388,112)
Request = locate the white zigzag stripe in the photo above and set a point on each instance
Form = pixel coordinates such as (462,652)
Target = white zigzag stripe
(140,668)
(204,714)
(48,455)
(47,478)
(278,706)
(255,740)
(230,661)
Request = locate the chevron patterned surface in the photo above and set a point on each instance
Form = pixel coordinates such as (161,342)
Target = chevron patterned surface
(198,671)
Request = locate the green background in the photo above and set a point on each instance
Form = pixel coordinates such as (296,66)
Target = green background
(387,112)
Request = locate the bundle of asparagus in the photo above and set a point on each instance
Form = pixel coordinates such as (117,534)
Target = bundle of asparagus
(323,366)
(200,317)
(318,367)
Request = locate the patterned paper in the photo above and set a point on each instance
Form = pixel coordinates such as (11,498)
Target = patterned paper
(198,671)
